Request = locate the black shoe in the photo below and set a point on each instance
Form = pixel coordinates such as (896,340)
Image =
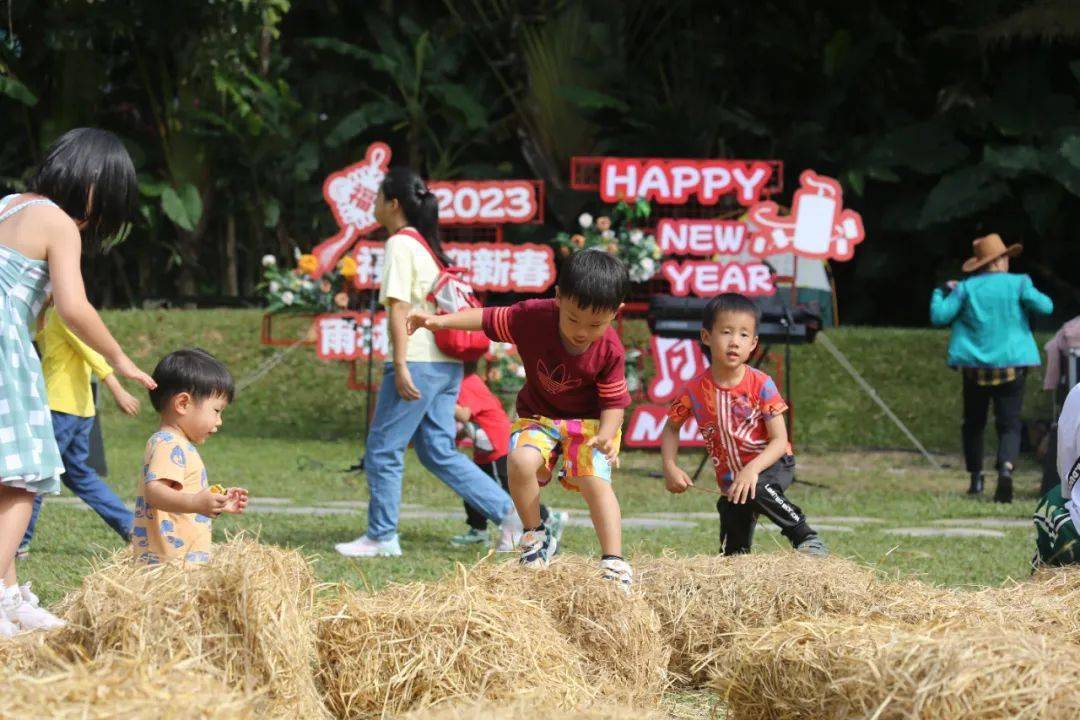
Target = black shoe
(1004,491)
(976,487)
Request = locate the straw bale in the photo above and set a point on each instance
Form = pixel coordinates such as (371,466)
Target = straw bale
(25,653)
(411,646)
(702,600)
(530,707)
(619,633)
(851,668)
(119,688)
(248,613)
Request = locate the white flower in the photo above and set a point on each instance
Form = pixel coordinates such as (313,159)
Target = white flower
(275,286)
(585,220)
(296,254)
(287,297)
(269,261)
(520,371)
(307,285)
(648,265)
(636,236)
(608,234)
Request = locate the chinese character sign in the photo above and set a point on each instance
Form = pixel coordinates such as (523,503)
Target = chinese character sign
(351,194)
(346,336)
(527,268)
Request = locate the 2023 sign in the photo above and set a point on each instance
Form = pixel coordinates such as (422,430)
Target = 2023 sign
(496,201)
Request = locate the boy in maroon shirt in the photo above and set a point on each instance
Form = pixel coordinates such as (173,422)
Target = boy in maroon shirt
(572,404)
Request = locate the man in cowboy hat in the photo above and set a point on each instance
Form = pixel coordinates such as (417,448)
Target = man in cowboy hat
(991,343)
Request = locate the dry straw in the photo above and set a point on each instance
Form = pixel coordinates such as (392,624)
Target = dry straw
(851,668)
(118,688)
(247,615)
(619,634)
(533,707)
(412,646)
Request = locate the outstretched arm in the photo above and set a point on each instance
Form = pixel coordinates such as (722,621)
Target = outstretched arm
(471,319)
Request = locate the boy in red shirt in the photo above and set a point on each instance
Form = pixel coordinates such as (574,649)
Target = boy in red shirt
(486,424)
(571,406)
(741,416)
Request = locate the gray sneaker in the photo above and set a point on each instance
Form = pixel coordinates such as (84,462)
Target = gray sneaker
(812,545)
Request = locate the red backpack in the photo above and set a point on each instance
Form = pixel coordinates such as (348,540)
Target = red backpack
(451,294)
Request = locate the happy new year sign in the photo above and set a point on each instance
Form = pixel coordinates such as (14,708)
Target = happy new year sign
(676,182)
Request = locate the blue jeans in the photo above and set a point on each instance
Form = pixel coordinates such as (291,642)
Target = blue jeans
(429,423)
(73,437)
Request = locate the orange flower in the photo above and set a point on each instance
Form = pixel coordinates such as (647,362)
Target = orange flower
(613,248)
(564,251)
(603,223)
(341,300)
(325,286)
(578,240)
(347,266)
(308,264)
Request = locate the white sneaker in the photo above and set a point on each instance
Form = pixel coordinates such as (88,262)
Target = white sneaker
(27,614)
(364,546)
(618,571)
(556,523)
(7,628)
(509,532)
(537,549)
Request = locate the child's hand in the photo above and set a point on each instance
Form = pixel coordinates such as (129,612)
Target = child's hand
(128,403)
(237,500)
(606,445)
(210,504)
(418,319)
(744,488)
(676,480)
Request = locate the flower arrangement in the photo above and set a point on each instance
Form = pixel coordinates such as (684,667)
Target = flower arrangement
(619,235)
(503,370)
(299,290)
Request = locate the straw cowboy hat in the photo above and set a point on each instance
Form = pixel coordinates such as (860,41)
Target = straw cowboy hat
(988,249)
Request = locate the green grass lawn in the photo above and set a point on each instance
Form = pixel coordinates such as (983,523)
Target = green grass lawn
(292,434)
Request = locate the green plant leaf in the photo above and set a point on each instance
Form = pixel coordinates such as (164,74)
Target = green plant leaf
(1013,160)
(960,194)
(184,207)
(356,122)
(271,213)
(588,99)
(458,97)
(15,90)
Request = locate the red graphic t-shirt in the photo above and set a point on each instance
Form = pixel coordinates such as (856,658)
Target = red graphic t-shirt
(488,414)
(558,384)
(732,419)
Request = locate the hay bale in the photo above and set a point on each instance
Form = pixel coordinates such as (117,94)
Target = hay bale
(619,633)
(411,646)
(702,600)
(849,668)
(25,653)
(531,707)
(117,688)
(248,614)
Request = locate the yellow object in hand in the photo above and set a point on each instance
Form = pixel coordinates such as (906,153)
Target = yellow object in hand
(217,490)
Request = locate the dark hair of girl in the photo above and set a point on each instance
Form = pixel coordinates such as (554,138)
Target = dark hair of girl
(419,204)
(89,174)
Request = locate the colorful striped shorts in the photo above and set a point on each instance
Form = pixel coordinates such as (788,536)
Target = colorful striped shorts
(566,439)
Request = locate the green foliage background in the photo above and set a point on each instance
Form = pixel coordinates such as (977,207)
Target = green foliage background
(943,121)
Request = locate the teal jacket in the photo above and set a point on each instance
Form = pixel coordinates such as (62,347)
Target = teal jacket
(989,318)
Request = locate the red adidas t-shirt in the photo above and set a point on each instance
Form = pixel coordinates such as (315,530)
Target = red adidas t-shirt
(559,385)
(732,419)
(488,414)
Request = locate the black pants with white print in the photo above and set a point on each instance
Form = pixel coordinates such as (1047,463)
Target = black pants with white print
(737,521)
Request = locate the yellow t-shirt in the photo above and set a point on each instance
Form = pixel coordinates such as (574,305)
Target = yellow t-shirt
(159,536)
(67,363)
(409,271)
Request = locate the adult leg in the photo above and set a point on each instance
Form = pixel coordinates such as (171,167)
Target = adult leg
(395,422)
(976,406)
(736,527)
(434,443)
(604,511)
(73,438)
(476,519)
(16,505)
(1008,402)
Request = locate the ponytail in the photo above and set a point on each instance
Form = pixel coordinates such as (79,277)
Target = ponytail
(419,204)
